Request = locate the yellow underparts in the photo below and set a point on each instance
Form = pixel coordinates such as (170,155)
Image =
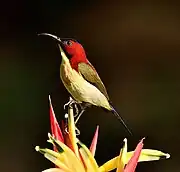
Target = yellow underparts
(79,88)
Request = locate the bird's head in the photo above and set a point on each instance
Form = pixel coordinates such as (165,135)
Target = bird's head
(70,46)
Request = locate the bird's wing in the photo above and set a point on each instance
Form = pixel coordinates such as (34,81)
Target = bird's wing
(89,73)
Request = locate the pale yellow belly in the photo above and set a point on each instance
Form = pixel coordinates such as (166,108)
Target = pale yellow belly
(81,90)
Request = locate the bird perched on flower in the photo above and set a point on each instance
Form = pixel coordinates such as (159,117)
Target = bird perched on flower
(81,79)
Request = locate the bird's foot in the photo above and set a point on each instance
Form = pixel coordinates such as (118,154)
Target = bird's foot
(76,109)
(77,131)
(70,103)
(66,130)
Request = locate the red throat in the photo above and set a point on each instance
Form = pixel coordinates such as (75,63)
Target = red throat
(76,59)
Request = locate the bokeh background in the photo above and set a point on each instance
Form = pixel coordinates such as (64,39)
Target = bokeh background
(134,45)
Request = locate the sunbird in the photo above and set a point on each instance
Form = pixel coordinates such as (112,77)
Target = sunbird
(80,77)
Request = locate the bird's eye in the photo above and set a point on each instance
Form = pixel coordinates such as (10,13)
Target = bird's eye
(68,43)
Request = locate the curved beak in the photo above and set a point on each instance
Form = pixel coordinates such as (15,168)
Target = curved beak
(64,57)
(53,36)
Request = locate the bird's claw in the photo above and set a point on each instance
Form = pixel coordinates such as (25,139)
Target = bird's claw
(77,131)
(69,103)
(66,130)
(66,104)
(77,110)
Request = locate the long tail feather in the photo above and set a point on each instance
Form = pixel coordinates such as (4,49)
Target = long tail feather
(121,119)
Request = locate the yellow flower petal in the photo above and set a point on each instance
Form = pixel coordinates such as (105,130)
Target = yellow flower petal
(87,163)
(122,157)
(72,133)
(72,161)
(146,155)
(89,157)
(54,157)
(109,165)
(118,161)
(53,170)
(149,155)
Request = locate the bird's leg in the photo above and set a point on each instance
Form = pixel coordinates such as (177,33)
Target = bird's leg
(66,128)
(70,103)
(79,115)
(77,131)
(83,108)
(77,110)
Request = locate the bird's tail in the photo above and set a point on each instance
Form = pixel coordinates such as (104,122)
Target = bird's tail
(121,119)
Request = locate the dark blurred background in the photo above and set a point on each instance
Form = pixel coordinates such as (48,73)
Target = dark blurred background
(134,45)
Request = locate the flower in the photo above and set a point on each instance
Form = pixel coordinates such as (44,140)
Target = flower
(71,155)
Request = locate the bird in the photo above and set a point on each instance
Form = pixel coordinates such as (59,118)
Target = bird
(81,79)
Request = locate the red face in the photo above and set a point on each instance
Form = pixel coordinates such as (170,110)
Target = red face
(75,52)
(73,48)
